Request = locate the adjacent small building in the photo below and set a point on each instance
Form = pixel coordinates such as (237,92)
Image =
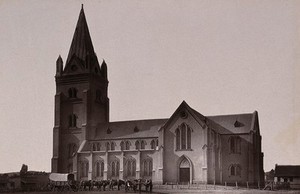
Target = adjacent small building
(289,174)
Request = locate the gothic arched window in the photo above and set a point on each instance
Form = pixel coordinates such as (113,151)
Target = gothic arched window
(153,144)
(235,144)
(98,146)
(147,167)
(188,138)
(178,139)
(122,145)
(130,167)
(97,169)
(143,145)
(235,170)
(112,146)
(94,147)
(137,144)
(232,170)
(72,120)
(84,169)
(107,146)
(72,93)
(127,145)
(115,168)
(183,137)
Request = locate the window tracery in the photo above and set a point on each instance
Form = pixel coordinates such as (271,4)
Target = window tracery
(183,137)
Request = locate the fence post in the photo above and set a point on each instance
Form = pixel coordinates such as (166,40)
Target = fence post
(258,185)
(236,184)
(205,185)
(225,185)
(214,184)
(247,185)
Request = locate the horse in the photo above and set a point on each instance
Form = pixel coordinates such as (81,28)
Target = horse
(117,183)
(148,184)
(103,183)
(86,185)
(131,185)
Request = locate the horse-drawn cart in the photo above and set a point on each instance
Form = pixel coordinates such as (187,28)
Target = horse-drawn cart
(62,182)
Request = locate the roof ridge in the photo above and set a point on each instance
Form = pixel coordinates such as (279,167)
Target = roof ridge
(138,120)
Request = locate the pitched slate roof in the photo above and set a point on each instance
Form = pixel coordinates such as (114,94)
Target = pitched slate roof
(287,171)
(236,123)
(222,124)
(229,124)
(129,129)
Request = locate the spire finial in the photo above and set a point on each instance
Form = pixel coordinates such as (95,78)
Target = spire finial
(81,6)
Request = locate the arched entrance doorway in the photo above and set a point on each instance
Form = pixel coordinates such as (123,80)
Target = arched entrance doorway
(184,171)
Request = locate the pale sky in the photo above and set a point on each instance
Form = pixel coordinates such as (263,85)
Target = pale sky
(221,57)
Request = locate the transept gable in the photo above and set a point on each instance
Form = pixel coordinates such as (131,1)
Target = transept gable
(183,112)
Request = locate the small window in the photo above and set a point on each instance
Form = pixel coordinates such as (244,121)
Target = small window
(238,124)
(72,120)
(136,129)
(232,171)
(98,146)
(72,93)
(235,144)
(137,145)
(122,145)
(107,146)
(153,144)
(108,131)
(143,145)
(127,145)
(112,146)
(235,170)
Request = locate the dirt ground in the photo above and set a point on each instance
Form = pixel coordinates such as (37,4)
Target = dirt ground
(171,191)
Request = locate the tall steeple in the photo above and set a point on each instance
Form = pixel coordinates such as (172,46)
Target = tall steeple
(81,100)
(81,46)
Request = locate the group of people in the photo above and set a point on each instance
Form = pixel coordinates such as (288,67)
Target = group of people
(134,185)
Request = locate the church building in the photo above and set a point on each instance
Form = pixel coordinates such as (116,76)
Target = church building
(188,147)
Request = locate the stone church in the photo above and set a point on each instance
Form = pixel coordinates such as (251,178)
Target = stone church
(188,147)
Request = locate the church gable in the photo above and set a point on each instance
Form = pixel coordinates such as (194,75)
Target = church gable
(184,113)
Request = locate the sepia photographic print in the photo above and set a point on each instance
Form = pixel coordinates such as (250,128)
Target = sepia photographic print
(130,96)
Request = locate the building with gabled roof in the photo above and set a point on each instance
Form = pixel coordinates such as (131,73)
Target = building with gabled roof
(188,147)
(288,174)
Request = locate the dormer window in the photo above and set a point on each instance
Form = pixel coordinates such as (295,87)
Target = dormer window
(72,93)
(136,129)
(238,124)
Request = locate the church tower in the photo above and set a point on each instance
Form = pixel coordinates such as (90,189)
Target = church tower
(81,97)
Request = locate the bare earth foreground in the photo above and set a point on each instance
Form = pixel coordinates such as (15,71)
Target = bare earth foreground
(243,191)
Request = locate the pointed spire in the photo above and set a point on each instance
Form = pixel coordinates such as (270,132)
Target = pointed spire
(59,66)
(81,44)
(104,69)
